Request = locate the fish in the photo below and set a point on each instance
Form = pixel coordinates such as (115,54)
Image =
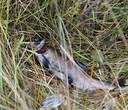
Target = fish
(53,101)
(70,72)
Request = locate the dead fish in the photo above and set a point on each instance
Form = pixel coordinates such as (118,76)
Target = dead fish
(53,101)
(65,70)
(83,66)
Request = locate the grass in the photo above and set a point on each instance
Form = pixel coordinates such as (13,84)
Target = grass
(94,32)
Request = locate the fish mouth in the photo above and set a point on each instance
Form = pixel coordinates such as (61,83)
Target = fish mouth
(36,46)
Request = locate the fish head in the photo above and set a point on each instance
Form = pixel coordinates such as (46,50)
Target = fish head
(40,46)
(36,46)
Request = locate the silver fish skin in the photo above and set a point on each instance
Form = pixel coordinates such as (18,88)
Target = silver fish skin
(53,101)
(63,68)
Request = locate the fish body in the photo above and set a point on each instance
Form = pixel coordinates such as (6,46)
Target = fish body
(69,73)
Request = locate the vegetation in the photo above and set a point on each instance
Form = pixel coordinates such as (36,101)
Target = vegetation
(94,32)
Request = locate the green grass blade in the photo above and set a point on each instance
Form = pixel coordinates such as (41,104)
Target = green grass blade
(1,76)
(18,46)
